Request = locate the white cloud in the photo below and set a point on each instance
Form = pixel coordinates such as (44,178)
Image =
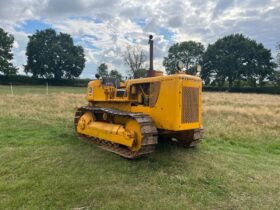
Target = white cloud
(104,28)
(107,40)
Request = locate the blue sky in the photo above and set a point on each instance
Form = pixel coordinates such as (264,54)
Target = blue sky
(30,26)
(105,28)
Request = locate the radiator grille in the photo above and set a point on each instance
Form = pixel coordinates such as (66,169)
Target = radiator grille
(190,99)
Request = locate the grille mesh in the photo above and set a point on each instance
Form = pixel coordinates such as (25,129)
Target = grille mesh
(190,97)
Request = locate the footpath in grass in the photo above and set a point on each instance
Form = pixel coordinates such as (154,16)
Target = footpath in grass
(44,166)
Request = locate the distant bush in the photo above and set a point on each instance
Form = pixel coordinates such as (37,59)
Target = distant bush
(269,90)
(26,80)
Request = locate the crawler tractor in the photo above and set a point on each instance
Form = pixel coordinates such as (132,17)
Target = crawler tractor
(128,118)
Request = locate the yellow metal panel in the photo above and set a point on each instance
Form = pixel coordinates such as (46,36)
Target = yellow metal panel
(164,112)
(120,105)
(96,92)
(168,110)
(111,132)
(162,78)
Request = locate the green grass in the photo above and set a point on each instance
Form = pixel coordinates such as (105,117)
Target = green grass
(44,166)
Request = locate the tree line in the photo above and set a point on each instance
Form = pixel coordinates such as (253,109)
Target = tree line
(233,60)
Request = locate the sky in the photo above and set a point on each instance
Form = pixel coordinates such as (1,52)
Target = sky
(104,28)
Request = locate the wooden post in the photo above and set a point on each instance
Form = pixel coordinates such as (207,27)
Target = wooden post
(47,89)
(12,89)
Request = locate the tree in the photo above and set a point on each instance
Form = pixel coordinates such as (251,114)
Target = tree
(52,55)
(234,58)
(276,78)
(278,55)
(140,73)
(6,44)
(189,52)
(134,57)
(102,70)
(116,74)
(276,75)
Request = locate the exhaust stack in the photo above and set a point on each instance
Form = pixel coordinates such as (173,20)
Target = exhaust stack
(151,71)
(151,43)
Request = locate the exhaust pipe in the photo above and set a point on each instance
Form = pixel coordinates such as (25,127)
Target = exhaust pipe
(151,69)
(151,72)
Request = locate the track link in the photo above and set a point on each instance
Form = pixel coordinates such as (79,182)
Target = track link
(149,132)
(185,139)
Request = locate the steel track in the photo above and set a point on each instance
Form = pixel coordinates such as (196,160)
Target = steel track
(148,129)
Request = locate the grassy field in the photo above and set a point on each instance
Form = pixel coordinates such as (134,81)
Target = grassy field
(20,90)
(44,166)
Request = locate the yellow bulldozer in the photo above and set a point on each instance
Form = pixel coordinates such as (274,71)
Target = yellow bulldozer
(128,118)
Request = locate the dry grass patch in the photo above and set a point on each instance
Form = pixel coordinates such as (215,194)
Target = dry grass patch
(242,118)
